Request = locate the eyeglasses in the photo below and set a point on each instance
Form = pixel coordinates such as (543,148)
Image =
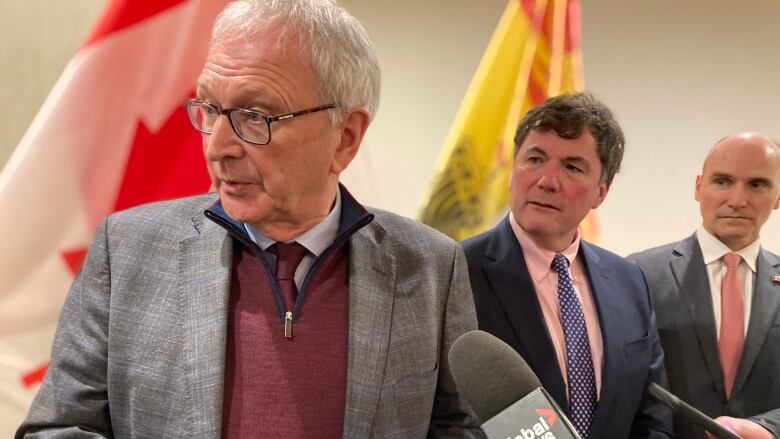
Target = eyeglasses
(251,126)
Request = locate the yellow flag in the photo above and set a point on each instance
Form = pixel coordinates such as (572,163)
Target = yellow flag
(533,54)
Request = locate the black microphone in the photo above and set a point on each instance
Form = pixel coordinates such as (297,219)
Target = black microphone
(690,413)
(503,391)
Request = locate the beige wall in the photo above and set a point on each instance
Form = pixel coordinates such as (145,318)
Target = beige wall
(39,37)
(679,75)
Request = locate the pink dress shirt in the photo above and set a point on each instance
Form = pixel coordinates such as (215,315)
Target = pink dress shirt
(538,261)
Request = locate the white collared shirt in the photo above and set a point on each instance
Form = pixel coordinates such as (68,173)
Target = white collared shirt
(713,250)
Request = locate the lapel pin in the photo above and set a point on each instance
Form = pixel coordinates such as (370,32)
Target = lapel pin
(776,279)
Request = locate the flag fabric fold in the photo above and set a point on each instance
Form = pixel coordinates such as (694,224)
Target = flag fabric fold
(534,54)
(111,134)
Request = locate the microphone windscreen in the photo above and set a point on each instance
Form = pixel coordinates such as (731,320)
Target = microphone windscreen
(489,374)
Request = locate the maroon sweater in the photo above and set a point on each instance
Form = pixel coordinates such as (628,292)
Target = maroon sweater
(278,387)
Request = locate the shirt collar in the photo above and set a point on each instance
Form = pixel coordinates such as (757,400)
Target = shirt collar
(712,249)
(540,259)
(315,240)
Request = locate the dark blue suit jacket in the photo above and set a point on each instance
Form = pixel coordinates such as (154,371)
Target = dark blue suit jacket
(507,307)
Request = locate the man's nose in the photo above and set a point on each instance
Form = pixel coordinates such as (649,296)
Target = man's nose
(223,142)
(737,197)
(550,178)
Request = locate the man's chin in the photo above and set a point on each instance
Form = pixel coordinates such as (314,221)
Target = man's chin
(537,227)
(240,210)
(735,236)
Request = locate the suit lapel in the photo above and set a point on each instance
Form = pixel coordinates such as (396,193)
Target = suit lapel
(511,283)
(694,288)
(766,302)
(606,298)
(206,261)
(372,277)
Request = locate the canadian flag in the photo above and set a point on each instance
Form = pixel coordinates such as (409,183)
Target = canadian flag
(111,134)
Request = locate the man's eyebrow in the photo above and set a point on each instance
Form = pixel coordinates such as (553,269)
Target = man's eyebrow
(720,175)
(760,180)
(575,159)
(244,96)
(537,150)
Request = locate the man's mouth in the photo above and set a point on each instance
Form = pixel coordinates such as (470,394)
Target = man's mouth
(543,205)
(235,186)
(734,217)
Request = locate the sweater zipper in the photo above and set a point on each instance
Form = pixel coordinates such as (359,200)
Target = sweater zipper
(288,324)
(288,314)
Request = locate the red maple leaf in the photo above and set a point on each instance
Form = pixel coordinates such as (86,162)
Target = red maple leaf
(165,164)
(34,376)
(73,258)
(119,14)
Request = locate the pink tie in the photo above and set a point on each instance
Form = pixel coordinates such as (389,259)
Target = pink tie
(732,321)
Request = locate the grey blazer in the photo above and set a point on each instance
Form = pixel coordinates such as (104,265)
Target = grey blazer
(139,350)
(677,278)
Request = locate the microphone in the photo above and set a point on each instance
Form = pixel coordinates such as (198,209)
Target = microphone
(503,391)
(689,413)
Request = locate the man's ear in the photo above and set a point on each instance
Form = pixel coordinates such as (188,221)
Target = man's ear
(353,128)
(697,191)
(603,189)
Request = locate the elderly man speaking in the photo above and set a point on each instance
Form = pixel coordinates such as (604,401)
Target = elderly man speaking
(279,307)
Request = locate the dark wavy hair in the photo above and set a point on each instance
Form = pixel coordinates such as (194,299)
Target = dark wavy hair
(569,115)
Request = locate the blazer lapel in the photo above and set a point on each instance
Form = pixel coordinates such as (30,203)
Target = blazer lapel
(372,278)
(694,287)
(511,283)
(206,261)
(766,302)
(606,298)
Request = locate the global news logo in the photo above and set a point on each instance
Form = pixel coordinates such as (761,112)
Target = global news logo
(541,429)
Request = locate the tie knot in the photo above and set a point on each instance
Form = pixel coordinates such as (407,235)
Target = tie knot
(288,256)
(560,264)
(731,260)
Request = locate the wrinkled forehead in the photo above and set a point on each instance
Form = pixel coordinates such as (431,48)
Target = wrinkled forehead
(267,38)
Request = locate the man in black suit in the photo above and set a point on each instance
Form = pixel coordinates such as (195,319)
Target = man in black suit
(722,351)
(578,314)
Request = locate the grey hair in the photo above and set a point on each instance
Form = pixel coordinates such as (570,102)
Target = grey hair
(333,41)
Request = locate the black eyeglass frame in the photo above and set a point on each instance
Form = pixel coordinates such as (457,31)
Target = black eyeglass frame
(195,103)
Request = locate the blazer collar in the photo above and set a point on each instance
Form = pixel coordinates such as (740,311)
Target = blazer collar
(205,263)
(690,273)
(766,304)
(372,285)
(608,299)
(511,283)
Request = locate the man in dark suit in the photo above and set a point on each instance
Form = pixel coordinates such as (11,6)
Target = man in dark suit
(723,350)
(578,314)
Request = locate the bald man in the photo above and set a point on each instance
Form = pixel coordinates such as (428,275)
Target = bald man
(717,294)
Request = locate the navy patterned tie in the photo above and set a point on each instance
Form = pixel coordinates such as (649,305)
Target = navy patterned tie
(579,361)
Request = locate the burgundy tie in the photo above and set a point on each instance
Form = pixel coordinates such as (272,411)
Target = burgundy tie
(732,321)
(288,256)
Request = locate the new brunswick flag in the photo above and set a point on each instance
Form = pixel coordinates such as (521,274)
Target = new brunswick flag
(111,134)
(533,54)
